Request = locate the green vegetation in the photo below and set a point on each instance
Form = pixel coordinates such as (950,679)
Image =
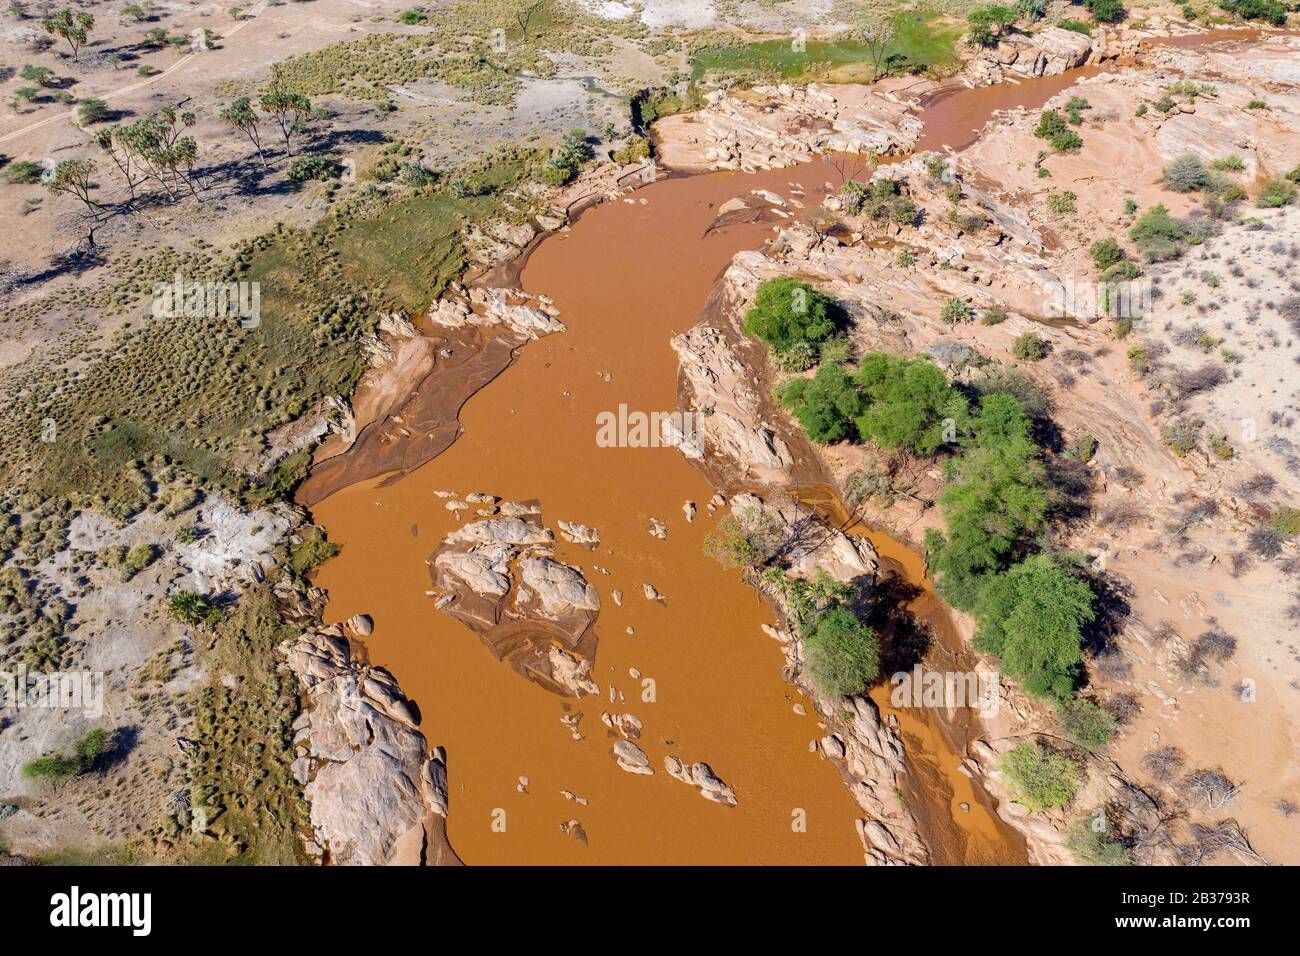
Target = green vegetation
(919,41)
(194,609)
(894,401)
(242,788)
(59,768)
(787,312)
(564,163)
(92,111)
(986,24)
(1186,173)
(1053,128)
(1105,253)
(1029,346)
(307,168)
(1158,235)
(72,27)
(746,538)
(23,172)
(1271,11)
(843,654)
(825,405)
(1093,844)
(1031,617)
(881,199)
(1040,779)
(1106,11)
(1085,723)
(1275,193)
(1063,203)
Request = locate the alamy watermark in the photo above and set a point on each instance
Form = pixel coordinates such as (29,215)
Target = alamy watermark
(52,690)
(1096,300)
(637,429)
(979,691)
(191,299)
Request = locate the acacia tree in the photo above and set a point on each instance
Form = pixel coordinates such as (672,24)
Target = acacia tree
(877,33)
(73,27)
(74,177)
(289,110)
(526,12)
(241,116)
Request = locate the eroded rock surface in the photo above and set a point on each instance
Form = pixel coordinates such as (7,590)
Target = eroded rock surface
(378,795)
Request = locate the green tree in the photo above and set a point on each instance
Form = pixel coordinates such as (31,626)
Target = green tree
(194,609)
(843,654)
(73,27)
(825,405)
(909,403)
(1031,617)
(289,110)
(92,111)
(241,116)
(786,311)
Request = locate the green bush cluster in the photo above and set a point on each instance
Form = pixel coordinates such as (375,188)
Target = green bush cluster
(1053,128)
(1040,778)
(788,312)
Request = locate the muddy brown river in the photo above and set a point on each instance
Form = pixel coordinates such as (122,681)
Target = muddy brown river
(627,276)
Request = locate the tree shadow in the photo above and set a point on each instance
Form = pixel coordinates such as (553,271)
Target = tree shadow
(905,639)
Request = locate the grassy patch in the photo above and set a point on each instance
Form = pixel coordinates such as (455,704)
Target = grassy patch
(923,40)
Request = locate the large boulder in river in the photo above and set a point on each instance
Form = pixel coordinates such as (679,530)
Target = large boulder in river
(376,793)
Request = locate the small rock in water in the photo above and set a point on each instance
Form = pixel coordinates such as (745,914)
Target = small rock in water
(800,710)
(632,758)
(618,597)
(965,807)
(688,509)
(651,594)
(657,528)
(631,631)
(522,786)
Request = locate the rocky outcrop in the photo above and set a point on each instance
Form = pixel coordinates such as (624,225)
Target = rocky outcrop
(509,308)
(377,793)
(716,382)
(701,775)
(782,125)
(499,577)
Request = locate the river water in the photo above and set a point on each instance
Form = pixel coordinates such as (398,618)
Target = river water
(626,277)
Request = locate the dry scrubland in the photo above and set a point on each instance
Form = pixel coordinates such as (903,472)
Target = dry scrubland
(148,534)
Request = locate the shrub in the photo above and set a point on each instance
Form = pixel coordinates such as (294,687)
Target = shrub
(1105,253)
(954,311)
(1106,11)
(1031,617)
(1039,778)
(1085,723)
(986,23)
(1094,845)
(1075,26)
(1186,173)
(193,609)
(567,159)
(1285,521)
(1272,11)
(1126,270)
(307,168)
(23,172)
(1181,436)
(92,111)
(1228,164)
(1139,359)
(1030,347)
(1063,203)
(787,311)
(411,17)
(843,654)
(1158,234)
(825,405)
(746,538)
(1053,128)
(994,316)
(54,769)
(1276,192)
